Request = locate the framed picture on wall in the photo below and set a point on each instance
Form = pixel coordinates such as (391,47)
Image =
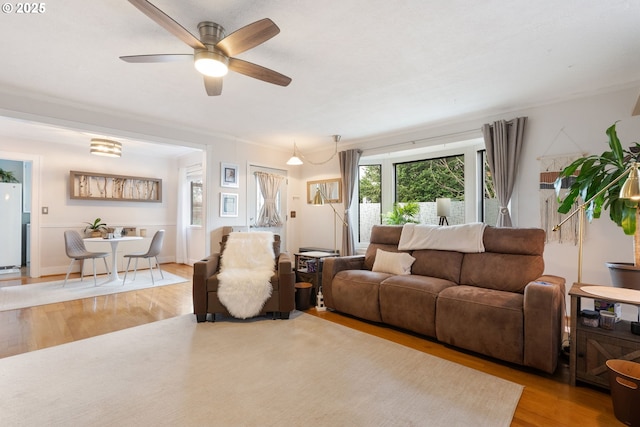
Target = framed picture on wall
(228,204)
(228,175)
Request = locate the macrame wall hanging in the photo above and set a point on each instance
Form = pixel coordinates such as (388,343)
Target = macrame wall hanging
(550,168)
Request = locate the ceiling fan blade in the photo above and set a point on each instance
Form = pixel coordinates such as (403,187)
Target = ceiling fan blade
(166,22)
(158,58)
(213,85)
(248,37)
(258,72)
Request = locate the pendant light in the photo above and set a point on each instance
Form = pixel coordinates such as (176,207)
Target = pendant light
(296,161)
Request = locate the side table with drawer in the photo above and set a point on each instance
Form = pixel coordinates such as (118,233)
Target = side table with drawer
(309,269)
(591,347)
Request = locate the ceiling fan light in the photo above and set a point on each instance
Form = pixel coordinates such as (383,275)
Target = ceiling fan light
(211,64)
(105,147)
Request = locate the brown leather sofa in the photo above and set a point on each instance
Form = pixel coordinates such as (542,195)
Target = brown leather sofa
(205,286)
(496,302)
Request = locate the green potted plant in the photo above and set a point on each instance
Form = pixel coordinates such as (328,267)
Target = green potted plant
(95,228)
(7,176)
(402,214)
(591,175)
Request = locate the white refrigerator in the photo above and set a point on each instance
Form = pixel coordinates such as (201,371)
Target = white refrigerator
(10,224)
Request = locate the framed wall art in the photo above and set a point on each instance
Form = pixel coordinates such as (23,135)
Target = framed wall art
(228,175)
(121,188)
(228,205)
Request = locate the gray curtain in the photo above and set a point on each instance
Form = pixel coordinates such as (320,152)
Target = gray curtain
(504,141)
(269,186)
(349,160)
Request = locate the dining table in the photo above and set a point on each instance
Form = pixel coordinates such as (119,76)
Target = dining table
(114,248)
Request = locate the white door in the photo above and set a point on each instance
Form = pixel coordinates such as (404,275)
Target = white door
(11,224)
(255,201)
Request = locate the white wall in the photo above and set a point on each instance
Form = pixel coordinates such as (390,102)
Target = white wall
(313,225)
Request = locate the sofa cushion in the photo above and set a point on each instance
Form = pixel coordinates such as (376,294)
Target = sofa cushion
(442,264)
(482,320)
(522,241)
(357,292)
(409,302)
(393,262)
(385,237)
(512,258)
(503,272)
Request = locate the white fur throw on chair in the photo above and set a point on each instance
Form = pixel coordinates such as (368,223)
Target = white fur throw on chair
(246,268)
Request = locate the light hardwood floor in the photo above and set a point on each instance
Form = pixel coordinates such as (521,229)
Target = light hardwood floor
(547,400)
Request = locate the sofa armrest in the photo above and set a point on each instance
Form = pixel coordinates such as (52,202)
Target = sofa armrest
(544,319)
(332,266)
(202,270)
(286,283)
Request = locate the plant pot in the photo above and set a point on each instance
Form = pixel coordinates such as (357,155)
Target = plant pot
(624,275)
(96,234)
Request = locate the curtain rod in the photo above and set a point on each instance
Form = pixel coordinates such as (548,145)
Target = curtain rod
(429,138)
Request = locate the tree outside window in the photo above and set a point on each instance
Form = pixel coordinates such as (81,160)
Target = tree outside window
(429,179)
(196,202)
(369,197)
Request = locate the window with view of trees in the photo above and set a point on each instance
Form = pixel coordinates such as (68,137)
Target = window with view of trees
(490,205)
(424,181)
(391,183)
(196,202)
(427,180)
(369,197)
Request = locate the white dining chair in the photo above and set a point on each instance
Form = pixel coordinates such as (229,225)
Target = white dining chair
(76,250)
(154,249)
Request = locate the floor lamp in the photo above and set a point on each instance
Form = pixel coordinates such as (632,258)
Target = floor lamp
(629,190)
(320,199)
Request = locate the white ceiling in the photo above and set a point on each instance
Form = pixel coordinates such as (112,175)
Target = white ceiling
(360,68)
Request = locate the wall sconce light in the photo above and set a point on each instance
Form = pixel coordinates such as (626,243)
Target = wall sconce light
(106,147)
(296,161)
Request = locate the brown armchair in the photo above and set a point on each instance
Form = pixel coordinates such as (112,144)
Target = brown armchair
(205,286)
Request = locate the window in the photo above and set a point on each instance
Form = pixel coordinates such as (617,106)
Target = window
(369,198)
(196,202)
(489,205)
(427,180)
(424,181)
(422,174)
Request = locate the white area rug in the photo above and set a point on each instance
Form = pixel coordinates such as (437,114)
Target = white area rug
(22,296)
(301,371)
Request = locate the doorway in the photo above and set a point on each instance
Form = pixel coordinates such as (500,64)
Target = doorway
(25,169)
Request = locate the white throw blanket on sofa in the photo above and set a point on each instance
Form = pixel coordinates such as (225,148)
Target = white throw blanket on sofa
(246,267)
(461,238)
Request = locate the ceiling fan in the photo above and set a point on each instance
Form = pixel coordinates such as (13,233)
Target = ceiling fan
(214,53)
